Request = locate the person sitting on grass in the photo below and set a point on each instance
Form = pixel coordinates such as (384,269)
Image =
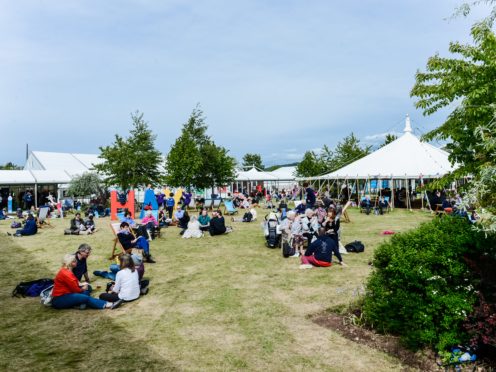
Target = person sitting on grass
(127,285)
(81,268)
(30,228)
(128,241)
(319,253)
(193,230)
(331,225)
(67,293)
(90,224)
(204,220)
(181,217)
(138,230)
(249,216)
(77,226)
(217,224)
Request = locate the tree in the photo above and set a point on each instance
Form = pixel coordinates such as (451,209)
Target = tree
(10,166)
(388,139)
(133,161)
(311,165)
(347,151)
(87,184)
(470,81)
(250,160)
(195,160)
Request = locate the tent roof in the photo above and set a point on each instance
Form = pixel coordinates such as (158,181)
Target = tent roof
(406,157)
(285,173)
(16,177)
(255,175)
(63,161)
(51,176)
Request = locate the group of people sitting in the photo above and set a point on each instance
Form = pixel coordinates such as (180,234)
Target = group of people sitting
(81,227)
(70,291)
(215,225)
(378,207)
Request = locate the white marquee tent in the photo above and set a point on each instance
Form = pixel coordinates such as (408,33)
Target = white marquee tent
(405,158)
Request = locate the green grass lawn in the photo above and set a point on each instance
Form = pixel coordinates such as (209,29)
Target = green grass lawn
(216,303)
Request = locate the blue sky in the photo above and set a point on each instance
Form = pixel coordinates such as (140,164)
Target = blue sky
(272,77)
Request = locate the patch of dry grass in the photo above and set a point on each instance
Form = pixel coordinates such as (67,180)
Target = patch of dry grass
(216,303)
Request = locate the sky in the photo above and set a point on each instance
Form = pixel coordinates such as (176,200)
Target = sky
(273,77)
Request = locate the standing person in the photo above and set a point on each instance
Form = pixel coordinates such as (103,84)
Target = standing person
(127,286)
(81,268)
(67,293)
(186,199)
(169,204)
(319,253)
(128,241)
(160,199)
(309,195)
(28,200)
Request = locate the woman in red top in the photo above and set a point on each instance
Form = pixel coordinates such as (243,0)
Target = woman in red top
(67,293)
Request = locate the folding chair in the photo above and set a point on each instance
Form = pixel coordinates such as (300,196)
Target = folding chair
(43,217)
(216,203)
(344,212)
(229,207)
(115,229)
(207,204)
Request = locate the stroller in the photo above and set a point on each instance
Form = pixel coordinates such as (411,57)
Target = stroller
(271,231)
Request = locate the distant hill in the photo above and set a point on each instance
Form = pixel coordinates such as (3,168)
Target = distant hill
(274,167)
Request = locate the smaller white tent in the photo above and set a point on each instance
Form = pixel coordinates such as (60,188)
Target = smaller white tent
(285,173)
(255,175)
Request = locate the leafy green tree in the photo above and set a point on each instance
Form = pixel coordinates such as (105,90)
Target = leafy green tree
(10,166)
(133,161)
(194,160)
(87,184)
(469,81)
(250,160)
(347,151)
(311,165)
(388,139)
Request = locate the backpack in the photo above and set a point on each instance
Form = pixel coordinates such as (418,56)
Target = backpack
(247,217)
(15,225)
(272,239)
(356,247)
(122,196)
(288,250)
(169,202)
(32,288)
(46,296)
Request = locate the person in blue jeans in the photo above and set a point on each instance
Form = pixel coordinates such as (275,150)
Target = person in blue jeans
(67,293)
(128,241)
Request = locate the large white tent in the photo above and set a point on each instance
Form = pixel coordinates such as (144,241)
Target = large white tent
(405,158)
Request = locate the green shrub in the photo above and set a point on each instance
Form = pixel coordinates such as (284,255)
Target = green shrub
(421,288)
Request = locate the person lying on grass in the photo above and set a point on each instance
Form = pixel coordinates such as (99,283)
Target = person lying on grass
(319,253)
(128,241)
(67,293)
(127,286)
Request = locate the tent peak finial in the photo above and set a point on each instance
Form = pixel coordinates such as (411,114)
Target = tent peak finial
(408,126)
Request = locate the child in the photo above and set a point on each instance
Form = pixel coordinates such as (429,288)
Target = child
(297,236)
(169,204)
